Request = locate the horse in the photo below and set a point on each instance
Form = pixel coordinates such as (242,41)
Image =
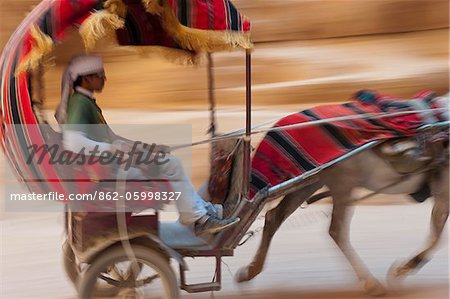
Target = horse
(370,170)
(398,166)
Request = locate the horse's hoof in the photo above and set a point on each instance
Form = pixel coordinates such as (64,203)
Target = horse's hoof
(396,275)
(398,271)
(374,288)
(242,275)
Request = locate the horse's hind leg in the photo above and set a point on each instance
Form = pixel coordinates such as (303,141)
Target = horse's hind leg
(340,230)
(439,216)
(273,220)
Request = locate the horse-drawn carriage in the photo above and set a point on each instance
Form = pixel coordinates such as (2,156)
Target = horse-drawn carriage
(107,254)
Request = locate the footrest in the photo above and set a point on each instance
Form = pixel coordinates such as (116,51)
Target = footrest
(202,287)
(214,285)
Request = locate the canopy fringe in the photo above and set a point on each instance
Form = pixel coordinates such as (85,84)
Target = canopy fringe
(154,7)
(117,7)
(99,25)
(103,24)
(196,39)
(43,45)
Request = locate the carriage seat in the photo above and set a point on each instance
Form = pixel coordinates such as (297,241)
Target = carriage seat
(89,232)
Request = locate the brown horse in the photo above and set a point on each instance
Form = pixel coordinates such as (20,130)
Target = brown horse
(369,170)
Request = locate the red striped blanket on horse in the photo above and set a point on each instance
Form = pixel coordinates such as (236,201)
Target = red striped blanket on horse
(287,153)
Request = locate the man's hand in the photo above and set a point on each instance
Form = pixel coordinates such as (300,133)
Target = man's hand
(128,146)
(137,151)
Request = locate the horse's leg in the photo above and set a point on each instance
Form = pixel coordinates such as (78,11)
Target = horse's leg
(340,230)
(439,215)
(273,220)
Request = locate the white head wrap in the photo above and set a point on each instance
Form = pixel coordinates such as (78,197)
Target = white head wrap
(78,66)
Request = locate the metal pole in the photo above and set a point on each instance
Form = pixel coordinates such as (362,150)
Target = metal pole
(211,97)
(248,124)
(248,82)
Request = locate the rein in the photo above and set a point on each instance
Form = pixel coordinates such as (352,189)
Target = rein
(241,133)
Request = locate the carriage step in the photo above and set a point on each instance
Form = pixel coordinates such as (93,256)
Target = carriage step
(214,285)
(201,287)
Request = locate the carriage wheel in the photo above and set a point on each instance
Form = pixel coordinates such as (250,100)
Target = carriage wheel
(73,270)
(155,277)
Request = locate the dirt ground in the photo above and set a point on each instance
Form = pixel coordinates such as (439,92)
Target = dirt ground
(303,262)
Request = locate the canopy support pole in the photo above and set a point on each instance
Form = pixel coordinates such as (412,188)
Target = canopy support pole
(211,96)
(248,124)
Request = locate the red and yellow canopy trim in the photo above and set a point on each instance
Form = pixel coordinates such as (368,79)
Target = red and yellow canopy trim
(177,26)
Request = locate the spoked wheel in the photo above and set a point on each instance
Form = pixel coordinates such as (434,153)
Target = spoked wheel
(73,270)
(150,276)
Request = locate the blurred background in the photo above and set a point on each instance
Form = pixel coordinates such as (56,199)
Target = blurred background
(307,52)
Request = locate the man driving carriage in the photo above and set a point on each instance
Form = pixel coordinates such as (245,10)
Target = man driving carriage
(83,77)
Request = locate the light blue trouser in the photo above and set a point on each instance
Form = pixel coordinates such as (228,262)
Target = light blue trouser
(189,204)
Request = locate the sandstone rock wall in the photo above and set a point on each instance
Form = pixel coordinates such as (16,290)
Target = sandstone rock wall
(275,20)
(306,51)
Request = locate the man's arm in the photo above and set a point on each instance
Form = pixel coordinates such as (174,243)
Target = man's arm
(76,141)
(128,144)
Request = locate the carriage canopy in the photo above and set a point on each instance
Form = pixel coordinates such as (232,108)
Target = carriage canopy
(173,28)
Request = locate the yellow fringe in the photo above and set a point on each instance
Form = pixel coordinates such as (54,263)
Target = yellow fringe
(103,24)
(117,7)
(43,46)
(176,56)
(196,39)
(154,7)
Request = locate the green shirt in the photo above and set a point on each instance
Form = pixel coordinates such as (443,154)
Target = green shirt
(84,115)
